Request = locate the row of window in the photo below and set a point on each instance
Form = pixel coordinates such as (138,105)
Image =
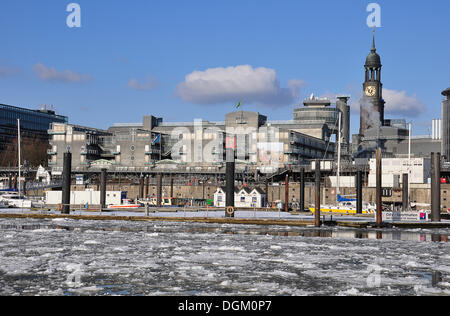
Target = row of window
(28,120)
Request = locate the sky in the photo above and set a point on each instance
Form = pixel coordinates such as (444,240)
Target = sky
(186,60)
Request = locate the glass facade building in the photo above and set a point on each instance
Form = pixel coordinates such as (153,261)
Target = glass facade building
(34,124)
(35,120)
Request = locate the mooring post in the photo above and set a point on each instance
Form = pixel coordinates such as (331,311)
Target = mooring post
(405,194)
(266,184)
(359,192)
(103,177)
(159,190)
(66,178)
(230,175)
(302,190)
(10,182)
(317,191)
(24,188)
(379,188)
(286,194)
(171,187)
(141,187)
(435,187)
(147,184)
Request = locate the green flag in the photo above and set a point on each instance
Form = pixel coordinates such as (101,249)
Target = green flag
(239,105)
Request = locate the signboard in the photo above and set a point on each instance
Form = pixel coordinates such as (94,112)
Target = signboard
(79,179)
(420,216)
(230,143)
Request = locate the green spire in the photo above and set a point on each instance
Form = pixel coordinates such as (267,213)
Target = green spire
(373,42)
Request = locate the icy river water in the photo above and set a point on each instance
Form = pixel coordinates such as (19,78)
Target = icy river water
(69,257)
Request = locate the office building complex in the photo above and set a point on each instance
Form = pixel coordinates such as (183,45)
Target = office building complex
(260,144)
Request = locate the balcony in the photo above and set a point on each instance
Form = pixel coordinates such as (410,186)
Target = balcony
(152,152)
(53,132)
(52,163)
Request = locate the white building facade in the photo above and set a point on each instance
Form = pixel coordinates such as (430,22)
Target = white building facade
(419,170)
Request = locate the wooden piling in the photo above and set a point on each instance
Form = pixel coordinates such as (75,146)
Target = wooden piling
(317,189)
(405,194)
(435,187)
(359,192)
(302,189)
(103,177)
(66,178)
(286,194)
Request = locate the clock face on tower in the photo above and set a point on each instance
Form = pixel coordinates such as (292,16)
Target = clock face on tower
(371,91)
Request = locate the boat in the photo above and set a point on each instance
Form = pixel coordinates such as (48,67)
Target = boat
(126,204)
(164,201)
(15,200)
(346,208)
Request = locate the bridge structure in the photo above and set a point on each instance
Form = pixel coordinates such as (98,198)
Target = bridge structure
(244,173)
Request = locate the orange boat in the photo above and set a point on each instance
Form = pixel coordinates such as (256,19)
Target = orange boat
(126,205)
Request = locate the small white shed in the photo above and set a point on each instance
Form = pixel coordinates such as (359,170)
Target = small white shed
(243,198)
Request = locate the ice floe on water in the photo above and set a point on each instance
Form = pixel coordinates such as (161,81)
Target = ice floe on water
(70,257)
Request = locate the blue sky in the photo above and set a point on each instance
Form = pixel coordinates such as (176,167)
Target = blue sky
(132,58)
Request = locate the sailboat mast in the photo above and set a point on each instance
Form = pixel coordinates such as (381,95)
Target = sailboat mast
(18,145)
(409,166)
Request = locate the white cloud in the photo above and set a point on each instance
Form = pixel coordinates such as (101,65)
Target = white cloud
(398,103)
(53,74)
(251,85)
(148,85)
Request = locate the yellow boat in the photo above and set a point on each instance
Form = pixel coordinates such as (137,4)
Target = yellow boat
(344,209)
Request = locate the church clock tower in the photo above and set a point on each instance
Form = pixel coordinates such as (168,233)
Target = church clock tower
(372,105)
